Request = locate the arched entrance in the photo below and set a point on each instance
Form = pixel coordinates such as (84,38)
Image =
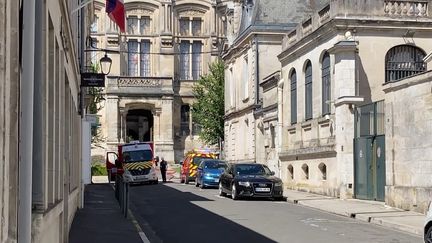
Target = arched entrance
(139,125)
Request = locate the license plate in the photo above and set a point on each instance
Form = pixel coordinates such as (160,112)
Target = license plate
(216,180)
(262,189)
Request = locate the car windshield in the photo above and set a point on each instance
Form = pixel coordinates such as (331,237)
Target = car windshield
(214,164)
(136,156)
(256,169)
(198,160)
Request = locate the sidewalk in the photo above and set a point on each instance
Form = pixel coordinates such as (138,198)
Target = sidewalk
(368,211)
(101,221)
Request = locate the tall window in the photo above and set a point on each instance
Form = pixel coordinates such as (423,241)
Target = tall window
(308,91)
(196,26)
(196,60)
(190,27)
(293,80)
(132,58)
(184,26)
(326,84)
(190,60)
(184,119)
(145,59)
(184,60)
(139,62)
(404,61)
(145,25)
(245,77)
(132,25)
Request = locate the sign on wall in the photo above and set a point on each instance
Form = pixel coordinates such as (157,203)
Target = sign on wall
(92,80)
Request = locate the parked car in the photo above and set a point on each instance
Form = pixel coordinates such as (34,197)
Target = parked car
(428,226)
(209,171)
(250,180)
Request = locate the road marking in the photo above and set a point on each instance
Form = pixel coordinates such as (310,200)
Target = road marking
(140,231)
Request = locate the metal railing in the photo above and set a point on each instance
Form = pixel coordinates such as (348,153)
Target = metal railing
(122,194)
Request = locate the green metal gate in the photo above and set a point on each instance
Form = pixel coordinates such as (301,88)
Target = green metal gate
(369,152)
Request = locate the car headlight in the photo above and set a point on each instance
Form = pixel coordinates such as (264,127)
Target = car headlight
(278,184)
(207,174)
(244,183)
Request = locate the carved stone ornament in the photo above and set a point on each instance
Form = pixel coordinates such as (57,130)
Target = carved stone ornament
(145,12)
(191,13)
(139,82)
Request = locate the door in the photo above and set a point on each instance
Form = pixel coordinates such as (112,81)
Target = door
(369,153)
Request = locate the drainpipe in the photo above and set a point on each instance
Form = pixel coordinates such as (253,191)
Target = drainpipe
(280,122)
(26,123)
(255,43)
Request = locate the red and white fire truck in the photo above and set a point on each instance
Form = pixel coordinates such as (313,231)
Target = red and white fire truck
(135,161)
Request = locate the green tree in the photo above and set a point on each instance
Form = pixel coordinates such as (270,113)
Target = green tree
(208,110)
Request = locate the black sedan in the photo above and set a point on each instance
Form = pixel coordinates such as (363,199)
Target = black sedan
(250,180)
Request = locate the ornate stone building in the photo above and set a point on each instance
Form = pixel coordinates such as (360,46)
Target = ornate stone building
(347,128)
(167,46)
(255,33)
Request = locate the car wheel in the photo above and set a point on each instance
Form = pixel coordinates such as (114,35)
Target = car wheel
(428,235)
(156,182)
(234,195)
(221,192)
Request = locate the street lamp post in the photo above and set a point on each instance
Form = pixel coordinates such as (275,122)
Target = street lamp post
(105,63)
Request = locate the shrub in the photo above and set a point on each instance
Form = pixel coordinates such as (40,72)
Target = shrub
(99,170)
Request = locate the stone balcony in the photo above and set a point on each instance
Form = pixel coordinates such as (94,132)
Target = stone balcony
(129,86)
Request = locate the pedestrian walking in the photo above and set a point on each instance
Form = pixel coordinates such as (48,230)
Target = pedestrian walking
(156,160)
(163,168)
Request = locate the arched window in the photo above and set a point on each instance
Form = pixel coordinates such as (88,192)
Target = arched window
(323,169)
(326,84)
(290,172)
(404,61)
(308,91)
(305,169)
(293,79)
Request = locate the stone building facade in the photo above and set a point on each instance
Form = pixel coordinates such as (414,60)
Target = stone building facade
(337,67)
(166,47)
(255,31)
(40,121)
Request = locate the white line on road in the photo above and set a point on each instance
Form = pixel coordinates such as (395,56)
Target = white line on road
(140,231)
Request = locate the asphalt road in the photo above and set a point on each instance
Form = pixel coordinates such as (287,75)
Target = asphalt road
(183,213)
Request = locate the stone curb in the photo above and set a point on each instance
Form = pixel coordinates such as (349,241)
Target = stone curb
(365,218)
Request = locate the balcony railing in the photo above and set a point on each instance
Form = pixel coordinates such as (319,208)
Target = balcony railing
(406,8)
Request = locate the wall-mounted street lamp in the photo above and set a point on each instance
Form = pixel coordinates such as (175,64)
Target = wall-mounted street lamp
(105,63)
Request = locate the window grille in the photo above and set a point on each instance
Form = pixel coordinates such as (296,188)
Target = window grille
(133,58)
(326,84)
(145,70)
(404,61)
(308,91)
(293,97)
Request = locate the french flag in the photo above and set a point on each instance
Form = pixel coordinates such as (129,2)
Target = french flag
(116,12)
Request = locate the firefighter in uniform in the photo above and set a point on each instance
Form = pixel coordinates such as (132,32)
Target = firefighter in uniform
(163,168)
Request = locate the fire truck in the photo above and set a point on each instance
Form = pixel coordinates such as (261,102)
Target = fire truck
(135,161)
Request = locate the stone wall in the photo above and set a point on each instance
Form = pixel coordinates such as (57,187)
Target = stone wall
(408,108)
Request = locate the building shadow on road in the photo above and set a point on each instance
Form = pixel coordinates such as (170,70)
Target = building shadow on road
(169,215)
